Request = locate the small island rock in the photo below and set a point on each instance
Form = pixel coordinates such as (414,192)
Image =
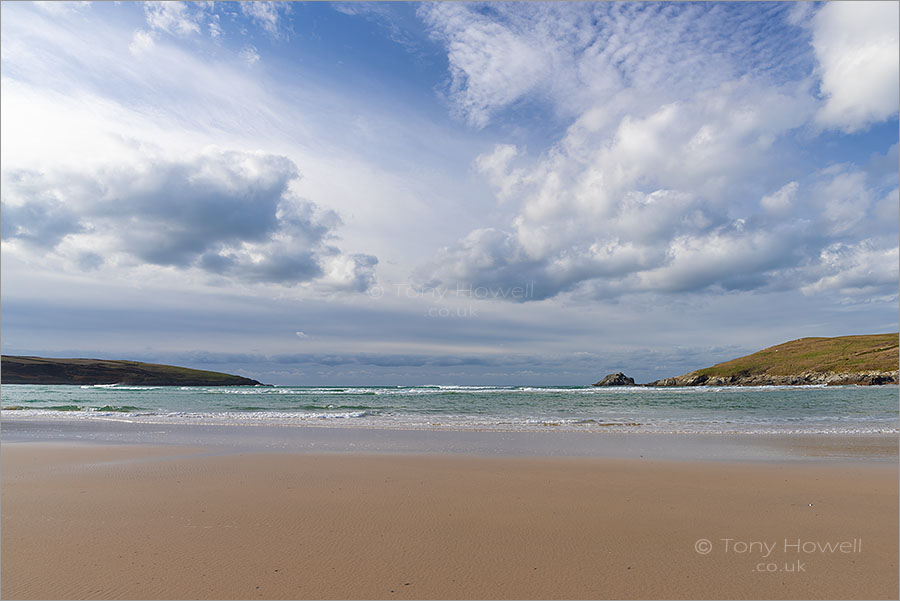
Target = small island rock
(616,379)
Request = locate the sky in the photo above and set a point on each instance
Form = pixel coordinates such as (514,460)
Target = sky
(445,193)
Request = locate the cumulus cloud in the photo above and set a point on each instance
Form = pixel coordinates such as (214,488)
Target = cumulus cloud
(495,165)
(857,45)
(780,201)
(656,204)
(854,268)
(672,176)
(224,213)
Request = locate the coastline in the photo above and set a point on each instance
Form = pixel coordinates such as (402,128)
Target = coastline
(331,439)
(228,518)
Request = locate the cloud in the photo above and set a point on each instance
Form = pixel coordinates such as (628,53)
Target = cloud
(572,56)
(781,201)
(57,7)
(858,49)
(141,42)
(658,202)
(861,268)
(43,223)
(268,16)
(173,17)
(225,213)
(215,29)
(249,55)
(678,172)
(495,165)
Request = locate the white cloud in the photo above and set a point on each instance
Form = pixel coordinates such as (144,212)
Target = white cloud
(683,118)
(59,113)
(844,200)
(667,200)
(495,165)
(249,55)
(578,56)
(858,50)
(491,66)
(57,7)
(174,17)
(781,201)
(215,30)
(141,42)
(267,15)
(856,268)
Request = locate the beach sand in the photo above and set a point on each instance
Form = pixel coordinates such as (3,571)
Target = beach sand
(119,521)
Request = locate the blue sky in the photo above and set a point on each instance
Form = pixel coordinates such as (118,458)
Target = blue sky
(387,193)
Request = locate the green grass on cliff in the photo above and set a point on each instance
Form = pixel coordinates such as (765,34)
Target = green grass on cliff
(876,352)
(43,370)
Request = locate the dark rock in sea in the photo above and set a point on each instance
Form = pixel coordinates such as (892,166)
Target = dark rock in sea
(616,379)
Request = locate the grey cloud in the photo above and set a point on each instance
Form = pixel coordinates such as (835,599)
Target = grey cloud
(89,261)
(227,213)
(43,224)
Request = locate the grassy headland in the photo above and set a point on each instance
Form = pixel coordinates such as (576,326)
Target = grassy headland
(870,359)
(41,370)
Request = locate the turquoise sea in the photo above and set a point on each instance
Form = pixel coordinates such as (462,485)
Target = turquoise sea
(790,410)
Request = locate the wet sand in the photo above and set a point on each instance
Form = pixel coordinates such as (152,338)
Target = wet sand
(165,521)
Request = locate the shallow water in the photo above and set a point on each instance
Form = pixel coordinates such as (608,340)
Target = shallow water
(772,410)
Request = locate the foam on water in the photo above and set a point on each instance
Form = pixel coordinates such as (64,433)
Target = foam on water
(764,410)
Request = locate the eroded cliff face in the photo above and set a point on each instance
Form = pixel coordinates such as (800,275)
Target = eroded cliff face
(864,378)
(865,360)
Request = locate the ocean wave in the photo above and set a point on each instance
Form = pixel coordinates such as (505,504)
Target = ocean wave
(118,387)
(463,422)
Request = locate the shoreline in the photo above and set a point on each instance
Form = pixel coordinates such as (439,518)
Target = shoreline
(730,411)
(313,438)
(205,521)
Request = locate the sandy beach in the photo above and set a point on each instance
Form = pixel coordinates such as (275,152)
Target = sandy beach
(164,521)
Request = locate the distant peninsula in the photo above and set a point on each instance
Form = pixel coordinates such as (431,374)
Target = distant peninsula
(844,360)
(41,370)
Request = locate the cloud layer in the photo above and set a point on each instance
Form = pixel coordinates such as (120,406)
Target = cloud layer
(649,173)
(225,213)
(679,172)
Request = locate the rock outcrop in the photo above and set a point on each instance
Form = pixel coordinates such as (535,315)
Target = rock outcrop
(616,379)
(871,378)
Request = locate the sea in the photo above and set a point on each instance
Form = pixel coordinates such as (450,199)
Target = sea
(695,410)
